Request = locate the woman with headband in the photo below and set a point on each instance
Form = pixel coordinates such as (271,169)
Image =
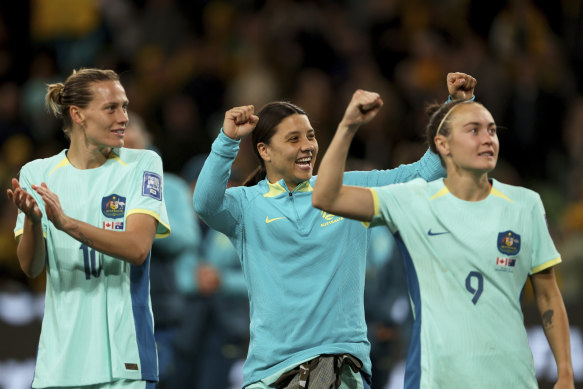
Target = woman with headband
(469,243)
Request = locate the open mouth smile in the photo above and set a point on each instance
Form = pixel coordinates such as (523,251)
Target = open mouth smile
(305,162)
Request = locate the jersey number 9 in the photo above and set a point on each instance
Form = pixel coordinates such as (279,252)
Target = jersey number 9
(476,291)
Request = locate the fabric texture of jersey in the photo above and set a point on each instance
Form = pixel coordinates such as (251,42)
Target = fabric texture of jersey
(304,268)
(467,264)
(98,324)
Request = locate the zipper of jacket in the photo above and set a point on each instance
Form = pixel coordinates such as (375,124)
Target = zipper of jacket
(291,197)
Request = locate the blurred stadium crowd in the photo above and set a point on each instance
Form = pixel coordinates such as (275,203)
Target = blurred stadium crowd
(185,62)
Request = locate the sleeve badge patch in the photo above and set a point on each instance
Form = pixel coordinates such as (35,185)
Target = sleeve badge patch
(152,186)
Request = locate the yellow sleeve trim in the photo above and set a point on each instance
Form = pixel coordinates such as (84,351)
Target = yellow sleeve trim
(545,265)
(375,202)
(19,232)
(155,216)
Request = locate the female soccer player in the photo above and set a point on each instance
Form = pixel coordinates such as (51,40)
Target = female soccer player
(469,243)
(304,268)
(90,214)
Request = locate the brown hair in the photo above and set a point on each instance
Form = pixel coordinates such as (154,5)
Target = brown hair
(75,91)
(440,121)
(269,118)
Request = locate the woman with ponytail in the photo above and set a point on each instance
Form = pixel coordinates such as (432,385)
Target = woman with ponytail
(469,243)
(89,215)
(304,269)
(271,115)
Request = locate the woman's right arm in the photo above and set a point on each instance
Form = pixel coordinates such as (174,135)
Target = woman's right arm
(329,193)
(210,201)
(31,245)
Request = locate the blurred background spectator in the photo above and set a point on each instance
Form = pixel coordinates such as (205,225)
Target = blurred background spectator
(185,62)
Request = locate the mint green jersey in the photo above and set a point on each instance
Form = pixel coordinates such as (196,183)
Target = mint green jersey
(467,263)
(98,324)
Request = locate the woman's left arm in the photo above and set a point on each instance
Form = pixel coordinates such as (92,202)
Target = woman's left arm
(132,245)
(555,324)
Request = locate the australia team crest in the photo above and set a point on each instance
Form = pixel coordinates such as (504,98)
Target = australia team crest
(113,206)
(508,242)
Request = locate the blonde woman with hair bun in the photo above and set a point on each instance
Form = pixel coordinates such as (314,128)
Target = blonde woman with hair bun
(89,215)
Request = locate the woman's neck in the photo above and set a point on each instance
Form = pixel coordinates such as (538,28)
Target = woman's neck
(85,156)
(468,187)
(291,185)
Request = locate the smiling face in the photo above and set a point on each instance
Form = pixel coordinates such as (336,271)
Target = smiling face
(291,152)
(102,123)
(472,145)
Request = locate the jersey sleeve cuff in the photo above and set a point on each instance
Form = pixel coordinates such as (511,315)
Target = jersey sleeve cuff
(546,265)
(432,169)
(375,201)
(19,232)
(225,146)
(163,229)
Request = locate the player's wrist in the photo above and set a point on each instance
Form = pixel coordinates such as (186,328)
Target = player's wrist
(66,224)
(451,98)
(565,373)
(32,219)
(348,127)
(230,135)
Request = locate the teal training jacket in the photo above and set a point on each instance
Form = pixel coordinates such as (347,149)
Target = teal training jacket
(304,268)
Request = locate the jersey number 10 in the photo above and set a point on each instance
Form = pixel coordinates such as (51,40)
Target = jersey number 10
(92,267)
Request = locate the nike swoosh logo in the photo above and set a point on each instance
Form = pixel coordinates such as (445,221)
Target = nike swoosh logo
(436,233)
(268,220)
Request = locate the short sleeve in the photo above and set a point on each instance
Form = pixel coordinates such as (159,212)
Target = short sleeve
(148,192)
(24,180)
(383,200)
(544,253)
